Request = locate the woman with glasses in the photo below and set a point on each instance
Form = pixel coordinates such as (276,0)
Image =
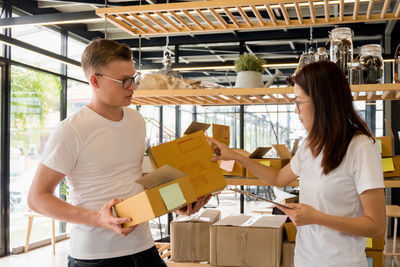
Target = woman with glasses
(339,169)
(100,150)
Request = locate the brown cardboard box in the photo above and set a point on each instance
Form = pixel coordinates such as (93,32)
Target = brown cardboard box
(190,236)
(291,231)
(191,154)
(276,163)
(375,244)
(221,133)
(244,240)
(288,254)
(396,165)
(233,168)
(386,143)
(167,189)
(186,264)
(195,127)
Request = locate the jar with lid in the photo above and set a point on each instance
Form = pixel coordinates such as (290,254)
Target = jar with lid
(341,50)
(371,63)
(321,54)
(306,58)
(355,72)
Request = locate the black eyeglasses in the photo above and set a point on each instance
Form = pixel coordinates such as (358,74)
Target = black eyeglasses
(299,103)
(127,82)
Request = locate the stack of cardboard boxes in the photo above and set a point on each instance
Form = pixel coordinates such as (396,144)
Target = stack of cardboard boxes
(390,163)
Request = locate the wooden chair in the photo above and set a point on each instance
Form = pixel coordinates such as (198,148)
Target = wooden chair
(164,249)
(31,216)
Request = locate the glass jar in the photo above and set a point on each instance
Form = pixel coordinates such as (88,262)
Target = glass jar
(306,58)
(321,54)
(397,65)
(355,72)
(371,63)
(341,50)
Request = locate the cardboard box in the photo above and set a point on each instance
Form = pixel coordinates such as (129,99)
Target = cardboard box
(375,244)
(190,236)
(233,168)
(221,133)
(191,154)
(186,264)
(167,189)
(291,231)
(386,143)
(276,163)
(244,240)
(195,127)
(288,254)
(393,165)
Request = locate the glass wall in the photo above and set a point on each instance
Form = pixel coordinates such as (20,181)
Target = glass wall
(35,111)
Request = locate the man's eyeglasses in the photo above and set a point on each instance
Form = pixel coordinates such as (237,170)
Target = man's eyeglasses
(127,82)
(299,103)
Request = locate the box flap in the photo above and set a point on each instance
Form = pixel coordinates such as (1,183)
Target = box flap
(259,152)
(282,151)
(160,176)
(242,152)
(266,221)
(196,126)
(221,133)
(208,215)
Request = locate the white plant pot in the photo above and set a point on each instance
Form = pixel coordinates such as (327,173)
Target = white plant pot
(249,79)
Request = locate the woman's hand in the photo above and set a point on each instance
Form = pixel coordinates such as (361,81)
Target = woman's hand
(301,215)
(193,207)
(105,219)
(222,151)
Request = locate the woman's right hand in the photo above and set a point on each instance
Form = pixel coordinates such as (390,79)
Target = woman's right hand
(222,151)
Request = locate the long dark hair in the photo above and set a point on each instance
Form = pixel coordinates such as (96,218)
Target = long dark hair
(335,119)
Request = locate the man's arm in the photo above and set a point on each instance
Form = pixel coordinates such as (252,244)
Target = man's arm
(41,199)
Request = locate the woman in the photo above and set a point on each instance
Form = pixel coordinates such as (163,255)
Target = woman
(339,168)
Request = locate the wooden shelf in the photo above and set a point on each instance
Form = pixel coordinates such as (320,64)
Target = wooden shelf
(233,15)
(252,96)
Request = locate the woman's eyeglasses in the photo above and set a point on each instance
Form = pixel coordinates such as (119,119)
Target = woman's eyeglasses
(127,82)
(299,103)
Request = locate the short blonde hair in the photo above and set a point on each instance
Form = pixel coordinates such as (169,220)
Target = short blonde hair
(99,52)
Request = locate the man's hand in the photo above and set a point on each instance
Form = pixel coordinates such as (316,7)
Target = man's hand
(105,219)
(193,207)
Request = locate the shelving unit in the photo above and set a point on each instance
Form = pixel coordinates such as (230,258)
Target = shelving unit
(251,96)
(234,15)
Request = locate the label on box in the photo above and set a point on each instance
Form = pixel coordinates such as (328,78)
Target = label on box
(387,165)
(227,165)
(172,196)
(251,220)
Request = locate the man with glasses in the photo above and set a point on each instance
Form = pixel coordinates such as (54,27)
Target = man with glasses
(100,150)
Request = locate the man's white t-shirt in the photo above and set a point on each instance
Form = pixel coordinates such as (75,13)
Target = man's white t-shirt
(101,160)
(338,194)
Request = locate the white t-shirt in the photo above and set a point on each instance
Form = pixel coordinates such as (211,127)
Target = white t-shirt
(338,194)
(101,160)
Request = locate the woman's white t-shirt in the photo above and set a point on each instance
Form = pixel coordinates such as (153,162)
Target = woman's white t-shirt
(101,160)
(338,194)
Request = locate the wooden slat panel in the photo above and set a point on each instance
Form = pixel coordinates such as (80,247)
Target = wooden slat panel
(326,9)
(271,14)
(200,13)
(246,99)
(370,6)
(385,94)
(122,25)
(341,10)
(286,97)
(285,13)
(397,14)
(167,20)
(355,10)
(148,25)
(272,97)
(147,15)
(384,8)
(312,11)
(219,18)
(298,12)
(233,99)
(260,99)
(132,23)
(193,19)
(258,15)
(244,16)
(370,94)
(230,16)
(398,95)
(181,20)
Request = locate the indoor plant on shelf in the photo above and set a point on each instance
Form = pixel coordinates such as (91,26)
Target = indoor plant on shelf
(249,69)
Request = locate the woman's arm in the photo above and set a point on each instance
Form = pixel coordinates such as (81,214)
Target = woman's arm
(270,175)
(372,224)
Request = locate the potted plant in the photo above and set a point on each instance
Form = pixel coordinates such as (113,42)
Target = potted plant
(249,69)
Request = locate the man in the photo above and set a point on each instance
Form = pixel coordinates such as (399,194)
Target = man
(100,150)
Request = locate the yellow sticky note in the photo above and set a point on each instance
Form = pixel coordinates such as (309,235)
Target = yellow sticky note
(266,163)
(387,165)
(369,243)
(172,196)
(378,143)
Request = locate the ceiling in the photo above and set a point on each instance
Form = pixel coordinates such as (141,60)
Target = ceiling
(219,48)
